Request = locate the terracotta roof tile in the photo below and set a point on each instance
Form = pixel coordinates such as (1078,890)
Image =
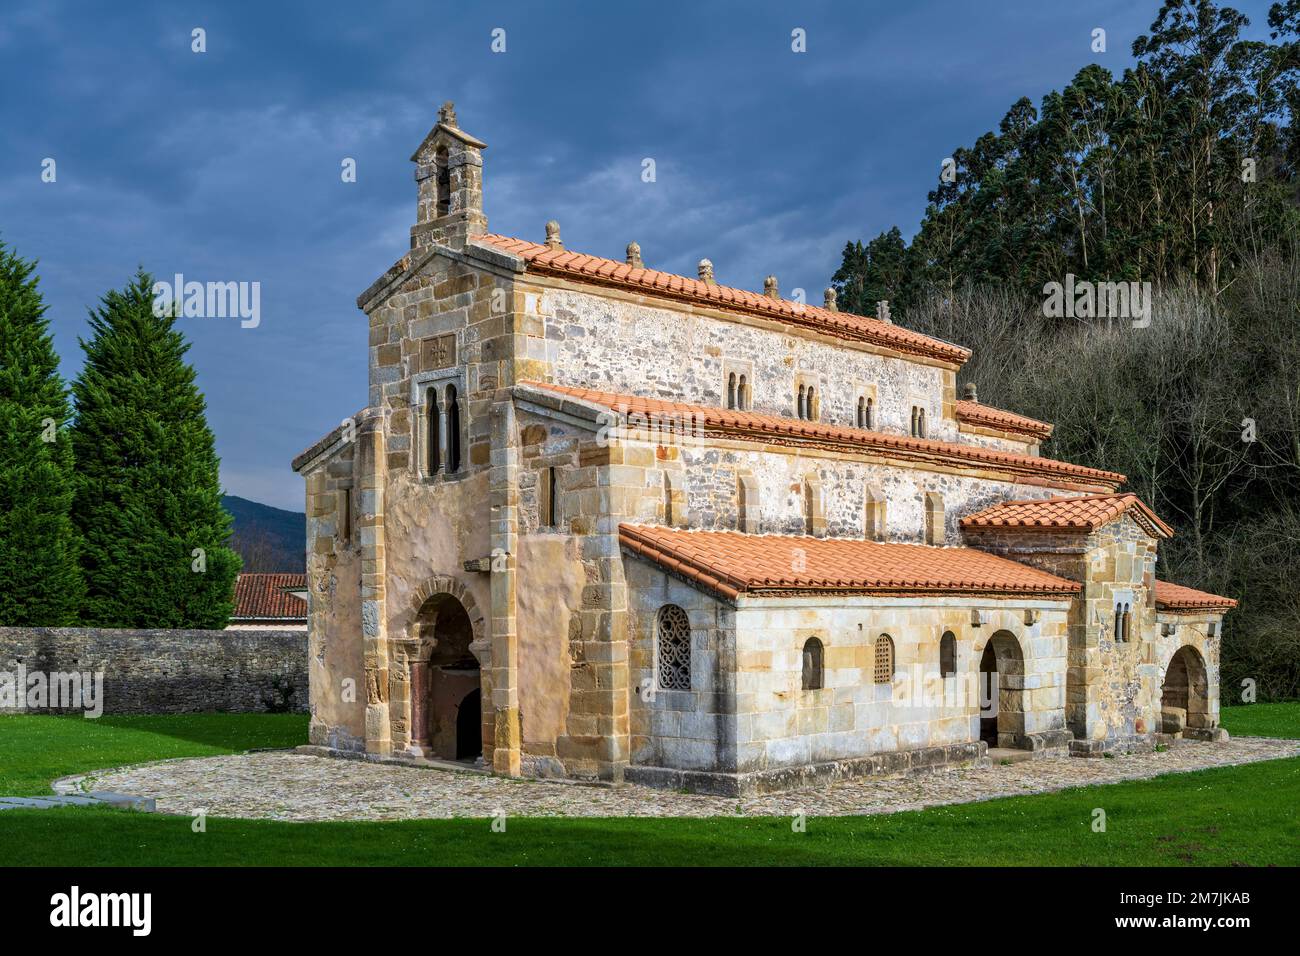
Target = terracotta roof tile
(587,268)
(755,425)
(264,597)
(1175,597)
(732,563)
(978,414)
(1082,513)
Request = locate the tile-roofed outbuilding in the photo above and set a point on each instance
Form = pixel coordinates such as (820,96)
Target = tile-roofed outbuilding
(266,597)
(749,425)
(977,413)
(731,563)
(1082,513)
(596,270)
(1175,597)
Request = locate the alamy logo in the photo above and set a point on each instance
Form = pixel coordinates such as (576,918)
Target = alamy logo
(74,909)
(60,690)
(209,300)
(1082,299)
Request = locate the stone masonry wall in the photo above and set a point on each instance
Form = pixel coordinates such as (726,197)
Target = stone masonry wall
(171,671)
(612,344)
(779,724)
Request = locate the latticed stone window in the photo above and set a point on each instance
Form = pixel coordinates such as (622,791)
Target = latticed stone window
(674,630)
(885,659)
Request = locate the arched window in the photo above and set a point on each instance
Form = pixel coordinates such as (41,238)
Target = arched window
(914,411)
(444,182)
(812,664)
(884,659)
(432,432)
(948,654)
(453,429)
(742,393)
(1119,623)
(731,390)
(674,638)
(871,412)
(801,402)
(920,422)
(1128,623)
(862,411)
(813,408)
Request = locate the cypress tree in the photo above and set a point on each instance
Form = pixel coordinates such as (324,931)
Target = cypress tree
(148,492)
(40,581)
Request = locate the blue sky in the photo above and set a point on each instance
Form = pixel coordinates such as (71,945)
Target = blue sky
(225,165)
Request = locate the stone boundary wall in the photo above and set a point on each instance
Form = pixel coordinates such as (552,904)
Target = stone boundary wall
(165,671)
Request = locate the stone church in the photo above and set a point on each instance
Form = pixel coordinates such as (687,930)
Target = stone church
(606,522)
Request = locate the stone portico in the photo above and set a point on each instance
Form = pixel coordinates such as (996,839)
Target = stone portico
(600,521)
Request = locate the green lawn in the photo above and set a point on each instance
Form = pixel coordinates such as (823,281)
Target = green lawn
(1262,720)
(35,750)
(1229,816)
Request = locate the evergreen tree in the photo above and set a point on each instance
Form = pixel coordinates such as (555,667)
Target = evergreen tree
(148,495)
(870,273)
(38,543)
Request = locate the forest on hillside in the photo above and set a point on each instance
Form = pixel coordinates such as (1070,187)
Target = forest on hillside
(1184,173)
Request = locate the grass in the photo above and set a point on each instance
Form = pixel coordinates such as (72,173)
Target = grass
(1227,816)
(37,749)
(1262,720)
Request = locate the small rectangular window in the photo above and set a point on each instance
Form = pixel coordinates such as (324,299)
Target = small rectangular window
(345,515)
(548,510)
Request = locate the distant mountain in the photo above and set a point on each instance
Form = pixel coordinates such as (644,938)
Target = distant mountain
(268,539)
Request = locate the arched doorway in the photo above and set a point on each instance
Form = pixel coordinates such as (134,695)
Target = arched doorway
(445,683)
(469,726)
(1002,682)
(1185,702)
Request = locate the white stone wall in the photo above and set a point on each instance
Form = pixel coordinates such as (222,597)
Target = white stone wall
(616,345)
(778,724)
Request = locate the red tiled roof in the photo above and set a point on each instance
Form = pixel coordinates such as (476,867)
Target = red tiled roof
(1175,597)
(990,417)
(730,563)
(610,272)
(263,597)
(1083,513)
(755,425)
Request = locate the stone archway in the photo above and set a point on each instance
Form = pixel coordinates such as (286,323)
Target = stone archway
(447,662)
(1002,692)
(1185,699)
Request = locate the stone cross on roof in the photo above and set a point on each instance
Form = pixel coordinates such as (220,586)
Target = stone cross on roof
(447,115)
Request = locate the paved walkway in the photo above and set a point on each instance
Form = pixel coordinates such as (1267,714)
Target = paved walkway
(284,785)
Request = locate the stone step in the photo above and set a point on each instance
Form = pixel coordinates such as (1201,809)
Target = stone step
(1001,755)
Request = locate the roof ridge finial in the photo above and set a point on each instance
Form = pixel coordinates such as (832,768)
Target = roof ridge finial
(553,236)
(705,271)
(634,255)
(447,115)
(770,288)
